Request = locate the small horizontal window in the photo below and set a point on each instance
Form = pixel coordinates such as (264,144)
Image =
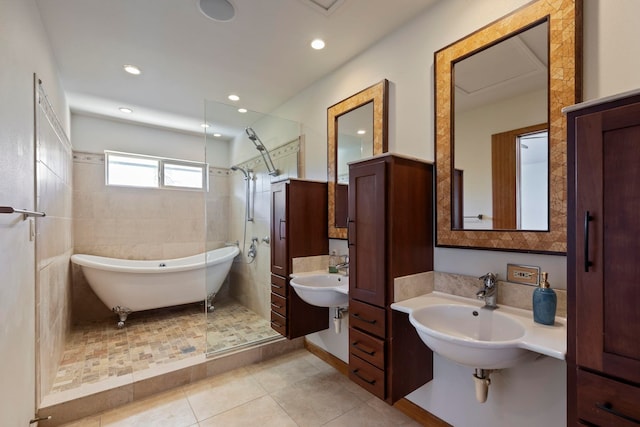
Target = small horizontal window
(135,170)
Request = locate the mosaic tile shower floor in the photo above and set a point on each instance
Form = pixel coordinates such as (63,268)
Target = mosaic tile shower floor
(99,351)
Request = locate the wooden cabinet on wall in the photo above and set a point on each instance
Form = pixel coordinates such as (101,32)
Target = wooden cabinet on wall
(390,234)
(604,263)
(298,229)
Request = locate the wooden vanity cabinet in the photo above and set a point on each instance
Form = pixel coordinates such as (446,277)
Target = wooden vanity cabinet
(390,234)
(604,263)
(298,229)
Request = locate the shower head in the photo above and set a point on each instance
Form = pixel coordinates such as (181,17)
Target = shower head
(253,136)
(245,172)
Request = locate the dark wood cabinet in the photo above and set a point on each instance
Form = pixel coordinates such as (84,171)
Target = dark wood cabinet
(604,263)
(390,235)
(298,229)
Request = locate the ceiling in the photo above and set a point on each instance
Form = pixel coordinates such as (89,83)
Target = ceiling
(262,54)
(515,66)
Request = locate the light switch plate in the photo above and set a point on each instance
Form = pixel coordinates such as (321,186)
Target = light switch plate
(524,274)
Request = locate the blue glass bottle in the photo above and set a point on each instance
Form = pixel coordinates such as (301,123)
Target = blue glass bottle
(544,303)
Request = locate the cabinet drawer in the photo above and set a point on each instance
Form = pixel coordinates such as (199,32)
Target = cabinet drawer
(367,376)
(279,285)
(607,402)
(367,318)
(279,323)
(366,347)
(279,304)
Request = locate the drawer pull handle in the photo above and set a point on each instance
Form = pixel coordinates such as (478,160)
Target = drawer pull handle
(273,322)
(349,233)
(362,349)
(608,407)
(368,381)
(276,305)
(587,218)
(273,285)
(357,316)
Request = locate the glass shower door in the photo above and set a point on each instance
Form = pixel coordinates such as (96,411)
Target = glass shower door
(238,214)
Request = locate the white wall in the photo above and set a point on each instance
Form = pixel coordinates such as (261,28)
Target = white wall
(24,50)
(94,135)
(405,58)
(473,130)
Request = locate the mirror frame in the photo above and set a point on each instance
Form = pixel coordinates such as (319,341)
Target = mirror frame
(379,95)
(565,86)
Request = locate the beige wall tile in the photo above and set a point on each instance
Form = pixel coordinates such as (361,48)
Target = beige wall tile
(511,294)
(54,246)
(411,286)
(133,223)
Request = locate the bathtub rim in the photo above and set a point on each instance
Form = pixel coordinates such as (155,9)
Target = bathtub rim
(191,262)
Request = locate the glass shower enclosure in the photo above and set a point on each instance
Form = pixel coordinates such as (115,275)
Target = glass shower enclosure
(237,213)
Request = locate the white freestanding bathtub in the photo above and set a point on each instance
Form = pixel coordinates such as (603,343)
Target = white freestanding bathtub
(132,285)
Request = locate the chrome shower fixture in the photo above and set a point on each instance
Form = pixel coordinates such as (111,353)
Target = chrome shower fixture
(263,151)
(245,172)
(248,199)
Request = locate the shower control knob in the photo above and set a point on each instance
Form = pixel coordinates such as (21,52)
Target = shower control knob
(266,239)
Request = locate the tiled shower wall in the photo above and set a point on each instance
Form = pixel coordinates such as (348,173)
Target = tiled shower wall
(135,223)
(138,223)
(54,242)
(250,283)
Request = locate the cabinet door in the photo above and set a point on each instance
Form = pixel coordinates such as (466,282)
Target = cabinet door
(367,232)
(279,248)
(607,244)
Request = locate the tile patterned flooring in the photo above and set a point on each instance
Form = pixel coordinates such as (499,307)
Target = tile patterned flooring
(99,351)
(297,389)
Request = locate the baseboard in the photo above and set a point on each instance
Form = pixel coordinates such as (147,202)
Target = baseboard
(329,358)
(419,414)
(405,406)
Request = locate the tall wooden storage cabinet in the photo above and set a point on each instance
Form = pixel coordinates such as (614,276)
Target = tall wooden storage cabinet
(604,263)
(298,229)
(390,234)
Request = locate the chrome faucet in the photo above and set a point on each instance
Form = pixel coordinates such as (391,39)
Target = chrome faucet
(344,266)
(489,291)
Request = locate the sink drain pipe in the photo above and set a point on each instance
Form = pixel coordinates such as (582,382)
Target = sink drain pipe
(482,383)
(337,318)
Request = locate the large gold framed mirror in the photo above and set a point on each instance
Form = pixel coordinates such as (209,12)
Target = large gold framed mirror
(356,129)
(481,114)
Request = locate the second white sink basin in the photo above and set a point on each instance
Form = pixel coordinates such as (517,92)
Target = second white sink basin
(471,336)
(323,290)
(459,329)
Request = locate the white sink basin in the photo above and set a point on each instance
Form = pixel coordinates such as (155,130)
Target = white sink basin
(459,329)
(323,290)
(471,336)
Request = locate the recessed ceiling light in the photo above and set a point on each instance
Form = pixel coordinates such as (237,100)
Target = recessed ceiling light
(217,135)
(204,125)
(361,132)
(234,97)
(218,10)
(132,69)
(126,110)
(317,44)
(242,110)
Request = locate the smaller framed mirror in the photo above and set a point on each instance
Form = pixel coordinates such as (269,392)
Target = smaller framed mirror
(356,129)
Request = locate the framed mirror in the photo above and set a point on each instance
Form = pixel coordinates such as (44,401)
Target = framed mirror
(500,134)
(356,129)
